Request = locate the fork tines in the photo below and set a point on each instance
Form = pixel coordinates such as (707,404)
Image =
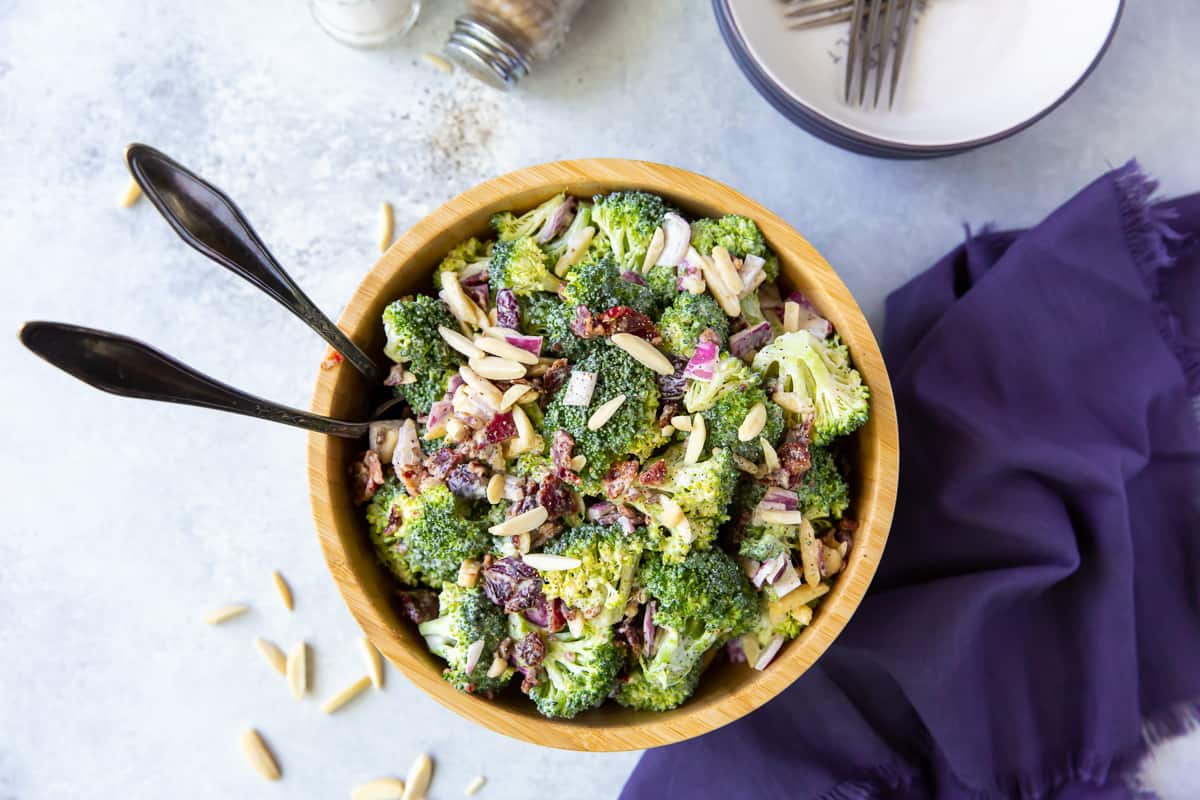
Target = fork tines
(877,34)
(878,30)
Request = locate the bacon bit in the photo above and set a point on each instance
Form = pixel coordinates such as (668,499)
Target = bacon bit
(655,474)
(623,319)
(500,429)
(794,458)
(562,445)
(556,496)
(556,375)
(332,359)
(366,476)
(413,477)
(629,633)
(528,654)
(419,605)
(394,521)
(619,479)
(547,531)
(607,513)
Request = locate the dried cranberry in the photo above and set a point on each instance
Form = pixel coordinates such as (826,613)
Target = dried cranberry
(672,387)
(556,496)
(513,584)
(419,605)
(500,429)
(655,474)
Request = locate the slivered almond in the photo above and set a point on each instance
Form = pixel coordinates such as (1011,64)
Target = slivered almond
(419,775)
(468,573)
(604,413)
(513,394)
(539,369)
(475,785)
(672,514)
(497,369)
(524,427)
(285,591)
(406,378)
(455,430)
(578,462)
(644,353)
(464,309)
(695,441)
(499,667)
(791,316)
(668,431)
(346,695)
(725,268)
(271,652)
(753,424)
(379,789)
(297,670)
(261,758)
(440,64)
(495,488)
(548,562)
(774,516)
(770,457)
(682,422)
(657,242)
(225,613)
(131,194)
(501,333)
(387,226)
(725,294)
(745,465)
(522,523)
(373,661)
(480,384)
(499,347)
(459,342)
(789,401)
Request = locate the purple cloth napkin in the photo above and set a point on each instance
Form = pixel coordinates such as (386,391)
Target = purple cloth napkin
(1039,599)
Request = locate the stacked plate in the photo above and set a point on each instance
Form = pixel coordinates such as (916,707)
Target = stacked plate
(975,71)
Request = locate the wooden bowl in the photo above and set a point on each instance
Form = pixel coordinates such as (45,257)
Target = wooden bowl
(727,691)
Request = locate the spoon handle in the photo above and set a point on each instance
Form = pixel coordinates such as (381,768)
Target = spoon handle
(207,219)
(123,366)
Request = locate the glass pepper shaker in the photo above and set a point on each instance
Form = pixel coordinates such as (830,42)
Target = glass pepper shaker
(497,41)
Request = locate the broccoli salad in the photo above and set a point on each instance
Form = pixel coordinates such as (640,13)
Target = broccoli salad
(620,456)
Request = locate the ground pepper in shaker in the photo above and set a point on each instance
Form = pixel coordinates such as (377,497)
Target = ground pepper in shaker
(497,41)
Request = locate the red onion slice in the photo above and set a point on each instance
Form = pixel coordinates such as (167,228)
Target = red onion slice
(473,654)
(439,412)
(768,653)
(702,365)
(678,236)
(561,217)
(750,339)
(787,582)
(779,500)
(768,570)
(532,344)
(648,629)
(810,320)
(580,388)
(408,447)
(633,277)
(752,274)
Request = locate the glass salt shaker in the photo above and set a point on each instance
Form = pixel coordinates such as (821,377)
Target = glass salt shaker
(497,41)
(365,23)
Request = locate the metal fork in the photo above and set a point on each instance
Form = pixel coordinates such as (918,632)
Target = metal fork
(875,34)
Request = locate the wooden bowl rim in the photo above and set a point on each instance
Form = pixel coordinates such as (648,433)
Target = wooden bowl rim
(645,729)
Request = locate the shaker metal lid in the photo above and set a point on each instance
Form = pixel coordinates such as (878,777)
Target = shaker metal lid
(485,55)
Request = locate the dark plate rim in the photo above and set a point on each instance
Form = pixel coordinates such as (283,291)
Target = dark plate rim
(836,134)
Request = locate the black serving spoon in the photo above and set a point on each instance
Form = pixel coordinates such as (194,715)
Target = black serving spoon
(119,365)
(207,219)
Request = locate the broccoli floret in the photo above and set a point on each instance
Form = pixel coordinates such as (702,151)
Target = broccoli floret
(600,586)
(632,432)
(628,220)
(823,492)
(703,489)
(819,372)
(436,536)
(726,416)
(596,282)
(411,327)
(509,226)
(688,316)
(520,265)
(548,316)
(663,284)
(577,674)
(703,601)
(729,373)
(737,234)
(385,513)
(466,616)
(664,681)
(469,258)
(764,542)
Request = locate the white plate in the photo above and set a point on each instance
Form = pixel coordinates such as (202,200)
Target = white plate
(973,69)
